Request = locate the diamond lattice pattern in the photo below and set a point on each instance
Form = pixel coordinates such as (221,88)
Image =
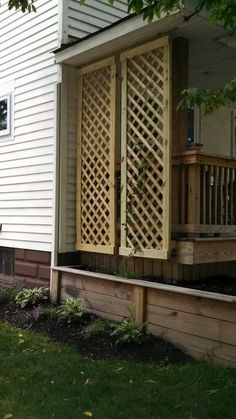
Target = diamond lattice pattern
(95,223)
(145,150)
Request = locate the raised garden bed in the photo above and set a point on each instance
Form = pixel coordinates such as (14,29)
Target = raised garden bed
(201,323)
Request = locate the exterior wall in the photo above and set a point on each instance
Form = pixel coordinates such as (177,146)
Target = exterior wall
(32,268)
(84,19)
(68,159)
(216,132)
(26,160)
(211,65)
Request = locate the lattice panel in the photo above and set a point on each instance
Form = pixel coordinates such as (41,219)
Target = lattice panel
(145,148)
(96,161)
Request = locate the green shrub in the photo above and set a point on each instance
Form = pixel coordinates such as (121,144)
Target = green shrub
(72,310)
(44,313)
(8,295)
(127,331)
(31,297)
(97,327)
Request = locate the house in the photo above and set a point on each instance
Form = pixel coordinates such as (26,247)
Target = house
(102,178)
(30,87)
(155,189)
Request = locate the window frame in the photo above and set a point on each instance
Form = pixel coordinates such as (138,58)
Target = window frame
(196,126)
(7,132)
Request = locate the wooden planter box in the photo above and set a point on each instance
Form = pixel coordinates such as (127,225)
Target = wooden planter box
(202,323)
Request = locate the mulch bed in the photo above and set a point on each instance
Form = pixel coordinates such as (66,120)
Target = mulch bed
(219,284)
(100,346)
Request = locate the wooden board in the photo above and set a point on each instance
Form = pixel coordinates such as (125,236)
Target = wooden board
(205,251)
(96,158)
(145,151)
(196,346)
(201,323)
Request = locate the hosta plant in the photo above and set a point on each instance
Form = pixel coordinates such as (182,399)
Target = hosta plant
(127,331)
(31,297)
(72,309)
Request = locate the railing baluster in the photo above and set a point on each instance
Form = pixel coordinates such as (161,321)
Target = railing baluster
(215,201)
(226,196)
(183,187)
(208,191)
(231,215)
(209,186)
(204,195)
(221,179)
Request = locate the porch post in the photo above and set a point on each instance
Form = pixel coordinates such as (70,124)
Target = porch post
(180,56)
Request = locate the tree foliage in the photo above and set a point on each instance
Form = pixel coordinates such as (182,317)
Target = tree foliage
(219,11)
(23,5)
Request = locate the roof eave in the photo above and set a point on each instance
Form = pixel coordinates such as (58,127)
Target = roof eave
(125,34)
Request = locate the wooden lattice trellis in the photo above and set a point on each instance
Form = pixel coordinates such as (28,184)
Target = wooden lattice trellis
(145,171)
(96,154)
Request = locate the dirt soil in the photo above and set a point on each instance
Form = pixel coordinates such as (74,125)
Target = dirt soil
(102,346)
(219,284)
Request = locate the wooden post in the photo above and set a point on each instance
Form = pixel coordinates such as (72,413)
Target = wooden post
(194,194)
(179,118)
(139,310)
(180,58)
(55,286)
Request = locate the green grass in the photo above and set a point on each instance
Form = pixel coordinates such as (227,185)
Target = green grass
(41,379)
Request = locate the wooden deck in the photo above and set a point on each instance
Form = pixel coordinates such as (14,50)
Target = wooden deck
(205,250)
(205,190)
(201,323)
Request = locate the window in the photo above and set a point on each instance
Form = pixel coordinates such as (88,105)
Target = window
(193,122)
(6,263)
(5,117)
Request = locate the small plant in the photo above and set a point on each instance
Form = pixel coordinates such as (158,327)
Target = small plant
(8,295)
(98,327)
(72,310)
(41,312)
(30,297)
(127,331)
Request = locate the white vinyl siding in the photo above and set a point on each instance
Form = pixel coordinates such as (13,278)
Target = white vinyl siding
(216,132)
(84,19)
(26,162)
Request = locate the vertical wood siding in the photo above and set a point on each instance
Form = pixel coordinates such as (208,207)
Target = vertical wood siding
(93,15)
(26,160)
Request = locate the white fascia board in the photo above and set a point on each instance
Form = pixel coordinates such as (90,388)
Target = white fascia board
(124,35)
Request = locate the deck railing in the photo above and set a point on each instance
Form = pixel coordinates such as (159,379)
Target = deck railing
(204,194)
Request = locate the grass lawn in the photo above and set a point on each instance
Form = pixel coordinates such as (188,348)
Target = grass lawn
(42,379)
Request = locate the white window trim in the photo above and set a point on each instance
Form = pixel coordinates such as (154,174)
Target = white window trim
(7,132)
(7,91)
(197,125)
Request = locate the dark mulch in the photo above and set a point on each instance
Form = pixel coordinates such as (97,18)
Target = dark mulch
(102,346)
(219,284)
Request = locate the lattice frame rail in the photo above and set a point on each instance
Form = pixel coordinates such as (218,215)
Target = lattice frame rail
(96,158)
(145,151)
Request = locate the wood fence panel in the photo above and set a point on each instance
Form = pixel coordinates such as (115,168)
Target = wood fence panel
(145,151)
(96,158)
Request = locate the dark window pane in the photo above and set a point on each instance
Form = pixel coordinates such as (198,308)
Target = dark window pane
(8,259)
(190,127)
(3,114)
